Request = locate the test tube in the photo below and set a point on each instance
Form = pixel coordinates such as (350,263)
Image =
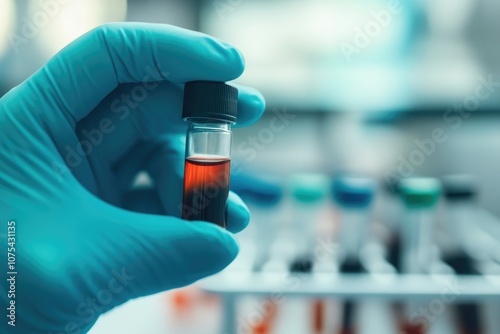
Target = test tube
(308,193)
(354,196)
(420,196)
(210,110)
(461,212)
(460,193)
(392,215)
(263,197)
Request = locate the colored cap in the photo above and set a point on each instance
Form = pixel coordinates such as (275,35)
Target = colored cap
(309,187)
(210,99)
(457,187)
(353,191)
(420,192)
(302,265)
(257,190)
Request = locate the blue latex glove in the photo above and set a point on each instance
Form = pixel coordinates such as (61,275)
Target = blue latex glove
(115,93)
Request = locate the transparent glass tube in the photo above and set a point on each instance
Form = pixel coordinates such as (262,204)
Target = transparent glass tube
(207,170)
(305,224)
(354,233)
(417,241)
(416,256)
(461,214)
(353,237)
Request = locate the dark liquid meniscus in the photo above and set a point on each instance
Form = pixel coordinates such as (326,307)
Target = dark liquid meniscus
(206,188)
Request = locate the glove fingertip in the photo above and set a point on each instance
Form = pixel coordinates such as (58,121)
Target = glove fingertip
(251,105)
(236,58)
(220,248)
(238,215)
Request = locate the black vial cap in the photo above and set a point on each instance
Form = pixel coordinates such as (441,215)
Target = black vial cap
(460,187)
(210,100)
(302,265)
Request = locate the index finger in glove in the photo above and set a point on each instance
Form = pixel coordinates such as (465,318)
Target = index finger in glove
(87,70)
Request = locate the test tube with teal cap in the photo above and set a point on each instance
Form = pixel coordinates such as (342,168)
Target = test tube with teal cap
(420,197)
(308,192)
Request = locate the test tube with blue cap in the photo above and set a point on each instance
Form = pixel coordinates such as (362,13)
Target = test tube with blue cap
(263,197)
(420,196)
(354,196)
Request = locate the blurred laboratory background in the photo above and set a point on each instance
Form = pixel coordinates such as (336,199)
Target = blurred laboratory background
(372,177)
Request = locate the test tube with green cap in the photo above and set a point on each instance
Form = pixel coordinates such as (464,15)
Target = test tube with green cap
(420,196)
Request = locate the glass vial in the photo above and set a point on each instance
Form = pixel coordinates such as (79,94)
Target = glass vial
(210,108)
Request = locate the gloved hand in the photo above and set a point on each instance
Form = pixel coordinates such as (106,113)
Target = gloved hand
(72,138)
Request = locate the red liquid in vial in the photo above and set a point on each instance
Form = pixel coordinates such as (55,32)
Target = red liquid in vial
(206,187)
